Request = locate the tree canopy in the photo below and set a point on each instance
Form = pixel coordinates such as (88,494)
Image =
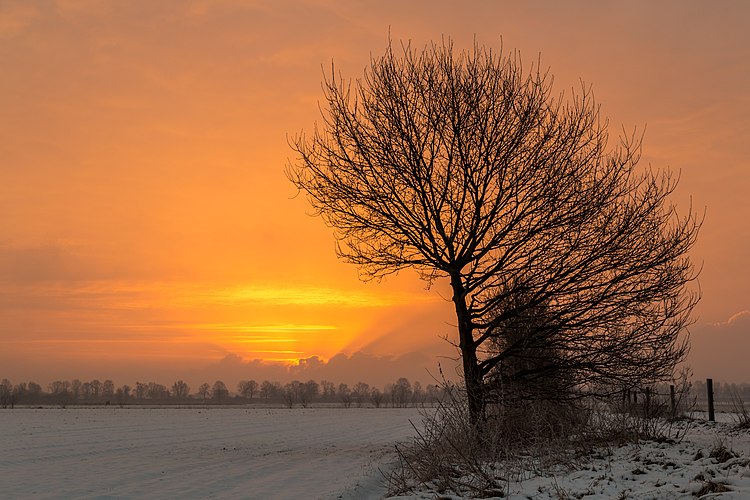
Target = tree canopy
(467,166)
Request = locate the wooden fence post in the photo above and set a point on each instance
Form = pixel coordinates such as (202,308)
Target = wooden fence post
(710,390)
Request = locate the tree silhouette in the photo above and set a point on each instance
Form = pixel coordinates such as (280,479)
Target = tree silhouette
(204,391)
(307,392)
(157,391)
(467,167)
(401,393)
(247,388)
(345,395)
(219,391)
(6,392)
(180,390)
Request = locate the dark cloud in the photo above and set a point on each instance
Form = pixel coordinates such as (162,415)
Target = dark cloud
(341,368)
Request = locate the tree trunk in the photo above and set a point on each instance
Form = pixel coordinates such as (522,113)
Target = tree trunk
(472,373)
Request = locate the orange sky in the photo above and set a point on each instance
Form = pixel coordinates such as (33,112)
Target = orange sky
(146,225)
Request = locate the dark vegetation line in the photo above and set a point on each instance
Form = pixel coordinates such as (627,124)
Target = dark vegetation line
(400,394)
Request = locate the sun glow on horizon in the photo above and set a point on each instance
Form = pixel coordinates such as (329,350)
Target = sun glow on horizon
(130,318)
(311,296)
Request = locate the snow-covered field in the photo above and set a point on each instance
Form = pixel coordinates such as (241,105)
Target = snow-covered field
(311,453)
(198,453)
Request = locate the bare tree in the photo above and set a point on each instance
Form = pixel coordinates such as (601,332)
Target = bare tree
(328,389)
(140,390)
(34,392)
(180,390)
(401,393)
(108,388)
(122,394)
(157,391)
(20,393)
(84,389)
(360,393)
(345,395)
(96,388)
(308,392)
(467,167)
(75,388)
(204,390)
(270,390)
(6,392)
(219,391)
(376,397)
(60,392)
(247,388)
(417,394)
(292,393)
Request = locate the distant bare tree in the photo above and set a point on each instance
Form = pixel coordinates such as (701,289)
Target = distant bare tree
(328,389)
(204,390)
(376,397)
(20,393)
(467,167)
(345,395)
(417,394)
(180,390)
(157,391)
(360,393)
(308,392)
(140,390)
(219,391)
(34,392)
(291,393)
(108,389)
(84,390)
(271,390)
(267,390)
(60,392)
(96,388)
(247,388)
(6,392)
(122,394)
(75,389)
(401,393)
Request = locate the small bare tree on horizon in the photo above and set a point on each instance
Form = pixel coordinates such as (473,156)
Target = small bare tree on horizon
(180,390)
(466,167)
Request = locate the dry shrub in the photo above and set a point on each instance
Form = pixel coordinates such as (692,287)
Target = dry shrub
(450,455)
(710,487)
(444,451)
(654,416)
(740,412)
(519,441)
(720,452)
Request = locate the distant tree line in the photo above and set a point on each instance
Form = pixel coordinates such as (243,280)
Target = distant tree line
(723,392)
(402,393)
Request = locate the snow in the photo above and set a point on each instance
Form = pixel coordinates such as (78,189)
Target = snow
(199,453)
(312,453)
(683,468)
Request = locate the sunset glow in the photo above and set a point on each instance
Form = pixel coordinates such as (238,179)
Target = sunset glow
(148,228)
